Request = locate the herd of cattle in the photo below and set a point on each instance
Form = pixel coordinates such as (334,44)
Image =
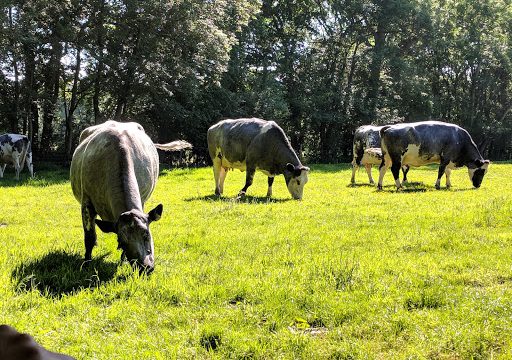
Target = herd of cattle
(115,167)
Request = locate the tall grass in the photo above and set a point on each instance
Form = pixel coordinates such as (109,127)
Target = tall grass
(347,273)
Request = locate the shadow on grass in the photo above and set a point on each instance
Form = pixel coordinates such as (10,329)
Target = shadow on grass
(416,186)
(247,199)
(362,185)
(59,273)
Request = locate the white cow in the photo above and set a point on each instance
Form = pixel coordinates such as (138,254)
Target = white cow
(15,149)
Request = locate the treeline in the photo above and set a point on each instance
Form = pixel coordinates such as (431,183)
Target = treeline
(318,68)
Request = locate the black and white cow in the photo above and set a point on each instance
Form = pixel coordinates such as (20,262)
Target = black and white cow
(255,144)
(15,149)
(365,137)
(431,142)
(113,173)
(18,346)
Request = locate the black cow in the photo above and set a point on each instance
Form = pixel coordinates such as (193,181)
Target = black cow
(255,144)
(430,142)
(366,137)
(17,346)
(15,149)
(113,173)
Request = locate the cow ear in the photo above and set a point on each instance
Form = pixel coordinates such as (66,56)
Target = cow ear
(156,213)
(106,226)
(290,167)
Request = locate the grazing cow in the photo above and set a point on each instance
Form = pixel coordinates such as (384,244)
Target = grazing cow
(15,149)
(113,172)
(255,144)
(430,142)
(18,346)
(368,136)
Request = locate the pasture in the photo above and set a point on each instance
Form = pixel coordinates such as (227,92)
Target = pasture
(347,273)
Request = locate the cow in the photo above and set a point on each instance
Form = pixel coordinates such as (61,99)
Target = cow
(367,136)
(254,144)
(15,149)
(113,172)
(18,346)
(431,142)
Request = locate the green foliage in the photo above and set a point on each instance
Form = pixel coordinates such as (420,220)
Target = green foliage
(346,273)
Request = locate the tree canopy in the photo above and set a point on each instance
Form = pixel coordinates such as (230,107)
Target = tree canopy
(319,68)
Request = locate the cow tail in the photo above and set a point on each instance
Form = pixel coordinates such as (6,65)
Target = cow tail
(383,130)
(174,146)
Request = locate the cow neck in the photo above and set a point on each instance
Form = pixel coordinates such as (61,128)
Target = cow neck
(130,198)
(472,153)
(287,155)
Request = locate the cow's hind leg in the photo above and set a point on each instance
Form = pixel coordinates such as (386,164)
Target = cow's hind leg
(440,173)
(384,165)
(2,170)
(354,168)
(88,216)
(248,180)
(270,182)
(222,176)
(368,168)
(216,174)
(395,170)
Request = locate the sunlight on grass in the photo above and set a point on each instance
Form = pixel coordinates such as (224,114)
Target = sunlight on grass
(348,273)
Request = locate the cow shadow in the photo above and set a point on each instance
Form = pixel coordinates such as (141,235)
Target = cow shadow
(416,187)
(361,185)
(59,273)
(247,199)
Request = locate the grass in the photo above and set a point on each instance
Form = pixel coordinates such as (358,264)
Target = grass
(347,273)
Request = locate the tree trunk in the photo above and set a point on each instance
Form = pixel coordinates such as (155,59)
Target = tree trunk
(375,69)
(30,121)
(68,139)
(51,95)
(12,41)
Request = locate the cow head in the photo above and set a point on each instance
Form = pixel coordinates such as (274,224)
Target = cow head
(296,177)
(476,170)
(134,237)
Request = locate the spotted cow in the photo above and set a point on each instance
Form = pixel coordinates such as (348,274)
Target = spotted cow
(113,172)
(15,149)
(368,136)
(430,142)
(255,144)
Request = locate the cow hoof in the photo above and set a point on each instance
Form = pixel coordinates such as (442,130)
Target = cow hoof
(379,187)
(241,195)
(372,182)
(438,187)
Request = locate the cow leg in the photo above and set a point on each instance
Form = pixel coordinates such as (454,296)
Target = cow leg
(368,168)
(248,181)
(270,182)
(440,172)
(405,170)
(384,165)
(395,170)
(222,176)
(354,168)
(88,216)
(216,174)
(2,169)
(448,173)
(28,161)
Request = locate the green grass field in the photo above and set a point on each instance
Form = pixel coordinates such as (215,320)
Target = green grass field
(347,273)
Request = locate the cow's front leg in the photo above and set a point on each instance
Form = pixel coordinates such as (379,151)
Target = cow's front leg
(440,173)
(368,168)
(395,170)
(88,216)
(2,169)
(249,176)
(448,173)
(270,182)
(405,170)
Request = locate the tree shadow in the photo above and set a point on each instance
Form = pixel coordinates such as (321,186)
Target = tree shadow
(59,273)
(247,199)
